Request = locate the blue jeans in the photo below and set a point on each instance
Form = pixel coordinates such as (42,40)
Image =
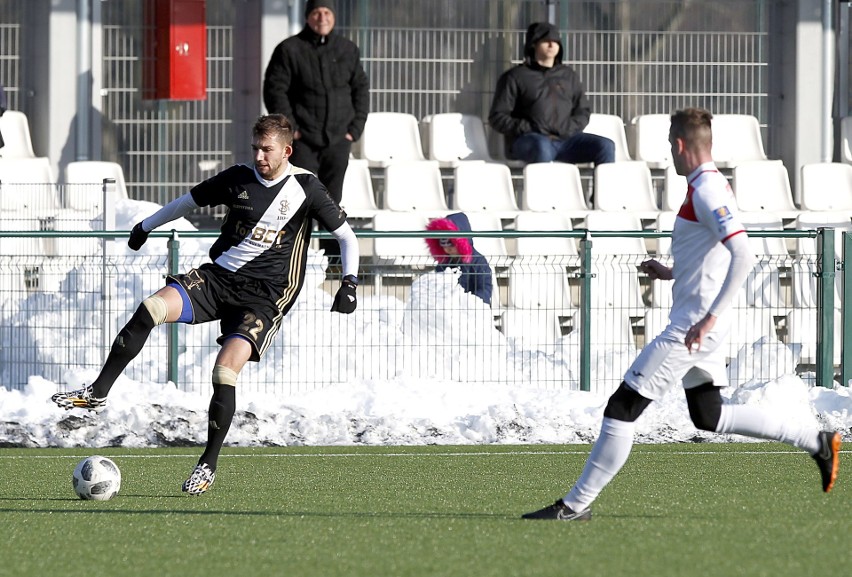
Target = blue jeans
(582,147)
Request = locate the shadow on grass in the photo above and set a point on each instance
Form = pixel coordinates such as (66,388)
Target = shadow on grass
(298,514)
(231,513)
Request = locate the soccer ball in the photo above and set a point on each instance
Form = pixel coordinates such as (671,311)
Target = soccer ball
(96,478)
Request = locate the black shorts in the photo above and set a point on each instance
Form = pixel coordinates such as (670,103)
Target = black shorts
(243,306)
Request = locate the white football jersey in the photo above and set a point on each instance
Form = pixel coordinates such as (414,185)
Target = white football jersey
(704,222)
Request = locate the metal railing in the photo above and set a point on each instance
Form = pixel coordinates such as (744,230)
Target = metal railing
(58,315)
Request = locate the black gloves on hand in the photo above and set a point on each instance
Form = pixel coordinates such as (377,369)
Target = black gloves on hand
(137,237)
(345,301)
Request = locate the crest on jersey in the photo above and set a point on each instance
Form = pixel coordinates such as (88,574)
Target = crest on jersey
(284,208)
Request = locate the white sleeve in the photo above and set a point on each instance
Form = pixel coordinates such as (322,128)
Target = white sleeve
(350,256)
(742,263)
(177,208)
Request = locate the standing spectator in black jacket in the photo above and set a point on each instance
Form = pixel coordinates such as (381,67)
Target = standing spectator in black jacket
(541,106)
(315,78)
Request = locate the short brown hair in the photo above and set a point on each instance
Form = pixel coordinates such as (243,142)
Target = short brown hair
(694,126)
(275,126)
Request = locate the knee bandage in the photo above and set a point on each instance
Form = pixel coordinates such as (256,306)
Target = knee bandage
(224,376)
(156,305)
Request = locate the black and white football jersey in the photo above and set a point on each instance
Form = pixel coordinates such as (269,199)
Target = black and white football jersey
(266,231)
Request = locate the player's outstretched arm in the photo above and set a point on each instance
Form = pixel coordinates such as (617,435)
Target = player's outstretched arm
(174,210)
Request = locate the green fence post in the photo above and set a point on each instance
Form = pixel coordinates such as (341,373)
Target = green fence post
(585,312)
(846,314)
(174,256)
(825,308)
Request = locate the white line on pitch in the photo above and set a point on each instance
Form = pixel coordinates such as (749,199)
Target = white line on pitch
(362,455)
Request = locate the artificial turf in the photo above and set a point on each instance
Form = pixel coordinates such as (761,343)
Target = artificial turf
(675,509)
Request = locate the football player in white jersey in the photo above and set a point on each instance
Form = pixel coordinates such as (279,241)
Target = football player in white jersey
(257,270)
(712,259)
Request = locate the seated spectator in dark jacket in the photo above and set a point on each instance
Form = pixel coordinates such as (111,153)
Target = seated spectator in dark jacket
(459,253)
(541,107)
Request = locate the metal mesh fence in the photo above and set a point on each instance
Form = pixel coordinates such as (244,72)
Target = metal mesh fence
(59,314)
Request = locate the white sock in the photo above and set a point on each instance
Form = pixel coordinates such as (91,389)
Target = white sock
(754,422)
(606,459)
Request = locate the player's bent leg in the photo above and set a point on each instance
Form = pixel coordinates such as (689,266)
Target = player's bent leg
(235,352)
(127,344)
(705,406)
(130,341)
(823,446)
(221,413)
(608,456)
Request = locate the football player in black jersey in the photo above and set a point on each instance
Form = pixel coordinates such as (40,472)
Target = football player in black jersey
(256,271)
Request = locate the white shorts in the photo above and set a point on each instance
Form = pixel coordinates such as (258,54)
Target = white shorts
(666,360)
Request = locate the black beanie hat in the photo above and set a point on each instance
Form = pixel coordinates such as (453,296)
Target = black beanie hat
(312,5)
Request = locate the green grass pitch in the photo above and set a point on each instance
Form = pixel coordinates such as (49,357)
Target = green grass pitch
(704,510)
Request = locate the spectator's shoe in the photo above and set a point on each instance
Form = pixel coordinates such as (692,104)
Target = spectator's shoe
(828,458)
(200,481)
(560,512)
(80,399)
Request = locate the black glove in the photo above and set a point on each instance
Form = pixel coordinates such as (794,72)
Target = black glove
(345,301)
(137,237)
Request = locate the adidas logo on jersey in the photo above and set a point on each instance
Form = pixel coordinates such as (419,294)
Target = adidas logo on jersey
(243,195)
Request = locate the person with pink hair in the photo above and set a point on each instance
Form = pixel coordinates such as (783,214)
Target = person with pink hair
(459,253)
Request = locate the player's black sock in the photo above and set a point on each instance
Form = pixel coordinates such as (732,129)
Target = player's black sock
(222,407)
(125,347)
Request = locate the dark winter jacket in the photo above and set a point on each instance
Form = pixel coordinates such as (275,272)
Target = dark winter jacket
(475,272)
(319,84)
(530,98)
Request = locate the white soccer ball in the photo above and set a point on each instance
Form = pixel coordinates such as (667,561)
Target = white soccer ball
(96,478)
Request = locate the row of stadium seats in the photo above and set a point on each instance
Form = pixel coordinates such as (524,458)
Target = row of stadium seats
(450,138)
(31,201)
(417,186)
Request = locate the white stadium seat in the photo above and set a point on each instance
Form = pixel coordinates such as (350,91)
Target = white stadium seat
(95,171)
(453,137)
(827,186)
(484,186)
(611,126)
(554,186)
(650,136)
(358,198)
(764,186)
(15,129)
(388,137)
(625,187)
(415,185)
(736,139)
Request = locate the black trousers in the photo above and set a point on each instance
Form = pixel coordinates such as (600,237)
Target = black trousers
(328,163)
